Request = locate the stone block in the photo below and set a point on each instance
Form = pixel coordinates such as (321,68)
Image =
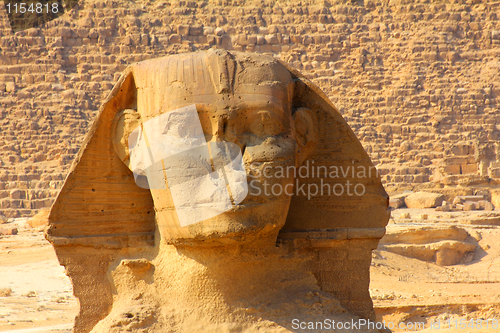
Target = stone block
(175,39)
(332,255)
(67,32)
(469,169)
(424,200)
(8,231)
(196,30)
(488,206)
(208,31)
(471,198)
(252,40)
(17,194)
(468,206)
(446,206)
(396,202)
(82,32)
(220,31)
(307,40)
(241,39)
(5,292)
(485,205)
(163,40)
(452,169)
(266,48)
(297,39)
(10,87)
(183,29)
(271,39)
(448,257)
(333,280)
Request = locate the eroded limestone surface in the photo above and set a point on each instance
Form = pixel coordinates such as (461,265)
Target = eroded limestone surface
(290,253)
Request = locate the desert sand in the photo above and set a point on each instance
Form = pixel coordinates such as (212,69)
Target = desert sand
(410,290)
(41,297)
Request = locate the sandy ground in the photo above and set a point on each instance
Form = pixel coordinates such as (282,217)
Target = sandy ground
(406,290)
(41,297)
(408,293)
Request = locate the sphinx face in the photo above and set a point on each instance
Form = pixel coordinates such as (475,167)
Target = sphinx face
(222,185)
(216,162)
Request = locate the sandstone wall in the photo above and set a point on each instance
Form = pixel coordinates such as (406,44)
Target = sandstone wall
(416,80)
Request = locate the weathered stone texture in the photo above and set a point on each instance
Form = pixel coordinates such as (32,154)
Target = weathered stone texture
(424,200)
(288,237)
(344,270)
(417,82)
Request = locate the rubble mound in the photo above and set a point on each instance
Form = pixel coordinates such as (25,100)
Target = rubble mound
(444,245)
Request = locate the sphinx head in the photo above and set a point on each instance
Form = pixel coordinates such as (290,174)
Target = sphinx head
(206,135)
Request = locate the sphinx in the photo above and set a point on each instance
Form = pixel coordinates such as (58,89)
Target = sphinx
(218,191)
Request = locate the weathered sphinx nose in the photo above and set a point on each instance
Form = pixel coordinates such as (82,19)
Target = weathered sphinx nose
(221,131)
(215,132)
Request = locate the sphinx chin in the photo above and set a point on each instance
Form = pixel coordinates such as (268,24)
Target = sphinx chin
(242,224)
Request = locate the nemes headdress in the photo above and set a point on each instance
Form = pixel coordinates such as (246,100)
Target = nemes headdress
(101,205)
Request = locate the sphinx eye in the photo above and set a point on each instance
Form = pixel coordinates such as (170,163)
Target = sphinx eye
(264,124)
